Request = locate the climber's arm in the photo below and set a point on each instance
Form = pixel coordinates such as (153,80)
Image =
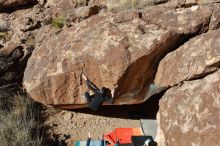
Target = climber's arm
(90,85)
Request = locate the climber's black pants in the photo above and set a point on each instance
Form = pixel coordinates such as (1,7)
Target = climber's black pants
(95,100)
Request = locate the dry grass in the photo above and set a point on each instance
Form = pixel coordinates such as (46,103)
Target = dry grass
(121,4)
(117,5)
(20,124)
(5,35)
(79,1)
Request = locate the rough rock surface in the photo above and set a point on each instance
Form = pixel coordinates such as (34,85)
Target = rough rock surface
(190,62)
(120,50)
(13,59)
(102,51)
(8,4)
(188,21)
(193,2)
(112,52)
(190,108)
(190,114)
(215,20)
(18,31)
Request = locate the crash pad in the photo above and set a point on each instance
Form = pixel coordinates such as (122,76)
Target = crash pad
(91,143)
(149,127)
(122,135)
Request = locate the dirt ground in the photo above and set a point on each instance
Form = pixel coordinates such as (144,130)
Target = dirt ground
(78,123)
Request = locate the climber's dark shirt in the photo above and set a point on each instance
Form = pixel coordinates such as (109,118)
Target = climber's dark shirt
(97,98)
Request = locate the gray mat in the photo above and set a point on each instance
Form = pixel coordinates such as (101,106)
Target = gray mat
(149,127)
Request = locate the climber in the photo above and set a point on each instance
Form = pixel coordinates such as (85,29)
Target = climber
(99,96)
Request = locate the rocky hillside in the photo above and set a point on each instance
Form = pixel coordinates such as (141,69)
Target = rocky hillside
(134,48)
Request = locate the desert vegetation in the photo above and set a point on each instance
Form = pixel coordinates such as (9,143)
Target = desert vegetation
(114,4)
(80,1)
(121,4)
(58,22)
(5,35)
(20,122)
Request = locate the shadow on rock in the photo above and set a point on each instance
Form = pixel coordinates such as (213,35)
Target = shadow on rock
(146,110)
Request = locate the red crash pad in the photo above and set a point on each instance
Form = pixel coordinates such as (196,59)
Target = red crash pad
(122,135)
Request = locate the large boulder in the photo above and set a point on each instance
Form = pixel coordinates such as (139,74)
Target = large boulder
(119,51)
(110,54)
(189,110)
(190,114)
(190,62)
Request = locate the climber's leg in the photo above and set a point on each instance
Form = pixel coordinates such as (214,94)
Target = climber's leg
(88,98)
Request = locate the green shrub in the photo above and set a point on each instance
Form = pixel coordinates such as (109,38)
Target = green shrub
(58,22)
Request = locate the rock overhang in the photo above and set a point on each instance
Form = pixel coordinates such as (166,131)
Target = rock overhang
(114,51)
